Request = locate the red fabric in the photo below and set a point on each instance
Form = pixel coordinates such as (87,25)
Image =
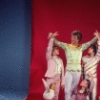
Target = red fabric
(63,16)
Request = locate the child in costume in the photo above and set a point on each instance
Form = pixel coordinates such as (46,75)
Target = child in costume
(90,63)
(81,93)
(55,68)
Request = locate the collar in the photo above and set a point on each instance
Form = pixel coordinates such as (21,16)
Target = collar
(72,46)
(55,56)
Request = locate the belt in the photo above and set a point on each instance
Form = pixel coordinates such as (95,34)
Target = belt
(58,75)
(73,63)
(74,70)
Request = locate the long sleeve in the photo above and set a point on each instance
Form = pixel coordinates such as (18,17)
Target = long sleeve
(60,44)
(86,45)
(62,82)
(49,49)
(98,52)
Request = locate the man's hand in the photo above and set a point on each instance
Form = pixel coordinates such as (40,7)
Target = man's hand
(97,34)
(62,86)
(52,35)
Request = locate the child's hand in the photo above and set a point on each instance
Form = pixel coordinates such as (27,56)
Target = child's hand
(90,75)
(55,34)
(97,34)
(52,35)
(62,86)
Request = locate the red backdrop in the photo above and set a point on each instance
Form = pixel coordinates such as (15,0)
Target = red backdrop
(63,16)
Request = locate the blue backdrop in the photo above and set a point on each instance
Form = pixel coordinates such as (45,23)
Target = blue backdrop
(15,44)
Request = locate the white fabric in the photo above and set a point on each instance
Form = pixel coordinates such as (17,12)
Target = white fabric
(94,91)
(49,93)
(59,65)
(45,85)
(71,82)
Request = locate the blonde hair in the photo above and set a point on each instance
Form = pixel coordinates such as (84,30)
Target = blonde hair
(52,87)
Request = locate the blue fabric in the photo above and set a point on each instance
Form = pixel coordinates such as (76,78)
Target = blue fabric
(15,42)
(8,95)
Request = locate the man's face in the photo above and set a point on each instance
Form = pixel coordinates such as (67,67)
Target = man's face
(84,83)
(90,51)
(56,52)
(74,39)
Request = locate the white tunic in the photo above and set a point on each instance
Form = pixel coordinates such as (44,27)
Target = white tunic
(59,65)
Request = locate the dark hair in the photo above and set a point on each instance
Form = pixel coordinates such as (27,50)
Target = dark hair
(78,34)
(54,47)
(89,83)
(88,87)
(94,47)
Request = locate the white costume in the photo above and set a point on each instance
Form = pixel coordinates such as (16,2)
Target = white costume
(49,93)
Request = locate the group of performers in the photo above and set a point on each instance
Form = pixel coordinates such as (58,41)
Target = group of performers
(70,76)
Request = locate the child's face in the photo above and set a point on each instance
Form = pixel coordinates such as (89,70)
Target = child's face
(74,39)
(56,52)
(84,84)
(90,51)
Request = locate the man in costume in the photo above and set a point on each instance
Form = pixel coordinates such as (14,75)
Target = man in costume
(55,68)
(90,63)
(73,54)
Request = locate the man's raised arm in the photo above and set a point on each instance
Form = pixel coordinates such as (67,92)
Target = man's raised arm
(87,44)
(49,48)
(58,43)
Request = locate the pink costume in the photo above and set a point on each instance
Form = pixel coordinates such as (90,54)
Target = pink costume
(55,70)
(79,96)
(49,93)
